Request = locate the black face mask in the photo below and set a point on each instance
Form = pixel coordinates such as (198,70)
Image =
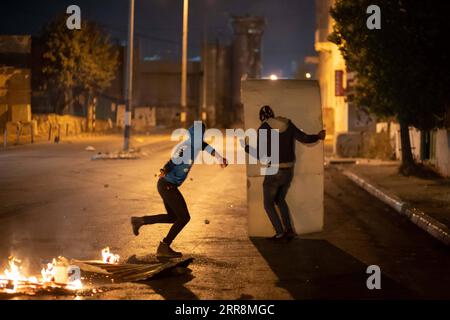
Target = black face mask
(265,113)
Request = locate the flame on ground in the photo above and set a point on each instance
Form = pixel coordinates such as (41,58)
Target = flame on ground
(109,257)
(56,274)
(13,280)
(13,277)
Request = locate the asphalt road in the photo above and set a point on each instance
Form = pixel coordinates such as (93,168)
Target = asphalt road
(55,201)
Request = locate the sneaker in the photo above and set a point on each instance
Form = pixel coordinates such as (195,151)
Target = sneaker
(289,235)
(165,251)
(277,237)
(136,223)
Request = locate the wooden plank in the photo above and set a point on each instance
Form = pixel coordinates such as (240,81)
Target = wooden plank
(137,272)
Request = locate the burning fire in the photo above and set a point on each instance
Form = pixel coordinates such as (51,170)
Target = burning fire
(48,273)
(13,278)
(58,274)
(109,257)
(54,275)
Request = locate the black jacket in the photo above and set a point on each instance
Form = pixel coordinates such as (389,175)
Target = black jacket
(288,135)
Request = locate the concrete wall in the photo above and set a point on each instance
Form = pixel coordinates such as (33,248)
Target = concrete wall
(246,57)
(298,100)
(414,136)
(4,116)
(158,85)
(20,132)
(216,95)
(144,118)
(72,124)
(443,152)
(441,158)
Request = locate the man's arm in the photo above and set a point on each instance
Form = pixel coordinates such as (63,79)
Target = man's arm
(167,168)
(206,147)
(307,138)
(249,149)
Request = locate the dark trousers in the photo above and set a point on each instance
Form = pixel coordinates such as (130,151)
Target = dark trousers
(177,211)
(275,189)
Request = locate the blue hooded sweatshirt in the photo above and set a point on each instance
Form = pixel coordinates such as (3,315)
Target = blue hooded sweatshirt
(177,169)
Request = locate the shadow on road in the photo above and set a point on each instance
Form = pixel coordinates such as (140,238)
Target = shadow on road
(315,269)
(170,283)
(172,288)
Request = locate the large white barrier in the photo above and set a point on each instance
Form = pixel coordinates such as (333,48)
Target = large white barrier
(298,100)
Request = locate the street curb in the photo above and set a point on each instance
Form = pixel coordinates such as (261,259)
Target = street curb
(416,216)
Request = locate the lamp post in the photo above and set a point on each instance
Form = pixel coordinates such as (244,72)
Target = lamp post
(129,79)
(183,98)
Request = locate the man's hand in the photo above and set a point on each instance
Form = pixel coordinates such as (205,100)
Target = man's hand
(162,173)
(242,142)
(224,163)
(322,134)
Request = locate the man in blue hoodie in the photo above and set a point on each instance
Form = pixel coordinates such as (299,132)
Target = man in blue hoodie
(172,175)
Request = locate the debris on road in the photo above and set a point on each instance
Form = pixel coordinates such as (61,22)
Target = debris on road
(90,148)
(63,276)
(109,257)
(206,221)
(115,156)
(134,272)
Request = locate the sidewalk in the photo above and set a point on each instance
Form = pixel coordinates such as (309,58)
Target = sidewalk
(430,196)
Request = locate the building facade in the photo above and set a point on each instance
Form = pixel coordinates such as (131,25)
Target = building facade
(15,79)
(246,57)
(213,84)
(157,85)
(341,117)
(346,124)
(216,94)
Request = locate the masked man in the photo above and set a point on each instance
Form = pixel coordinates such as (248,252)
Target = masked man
(171,177)
(276,187)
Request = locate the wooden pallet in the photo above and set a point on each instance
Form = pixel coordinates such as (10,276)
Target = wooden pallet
(131,272)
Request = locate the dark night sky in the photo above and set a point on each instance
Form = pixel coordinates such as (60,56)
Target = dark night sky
(288,38)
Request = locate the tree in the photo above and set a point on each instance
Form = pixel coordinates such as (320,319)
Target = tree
(402,68)
(77,61)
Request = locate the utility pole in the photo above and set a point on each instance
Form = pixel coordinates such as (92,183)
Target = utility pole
(204,105)
(183,102)
(129,79)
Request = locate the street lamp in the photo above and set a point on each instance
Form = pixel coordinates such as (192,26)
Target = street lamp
(308,75)
(129,79)
(183,102)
